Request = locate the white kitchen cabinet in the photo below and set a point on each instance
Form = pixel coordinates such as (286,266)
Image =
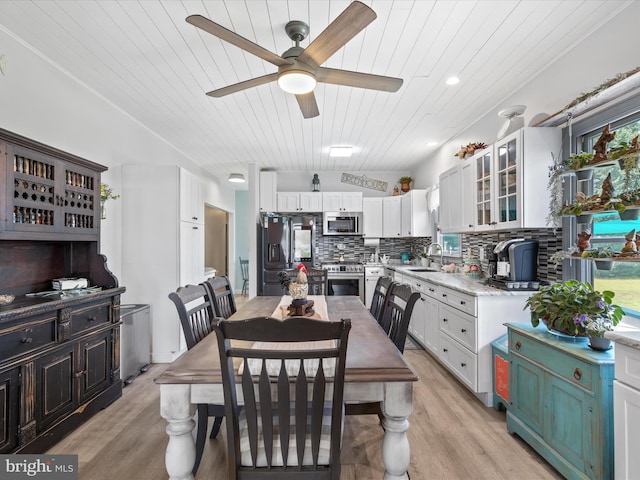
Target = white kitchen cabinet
(299,201)
(519,178)
(268,191)
(158,239)
(391,217)
(450,200)
(191,198)
(342,201)
(415,217)
(372,217)
(481,185)
(468,195)
(626,411)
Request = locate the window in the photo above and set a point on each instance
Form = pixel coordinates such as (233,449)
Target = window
(608,229)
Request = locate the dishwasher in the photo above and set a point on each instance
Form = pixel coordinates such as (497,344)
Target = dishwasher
(371,275)
(135,341)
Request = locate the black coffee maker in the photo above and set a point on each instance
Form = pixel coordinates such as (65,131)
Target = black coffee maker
(513,264)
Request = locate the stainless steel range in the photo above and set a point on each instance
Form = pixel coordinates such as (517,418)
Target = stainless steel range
(345,278)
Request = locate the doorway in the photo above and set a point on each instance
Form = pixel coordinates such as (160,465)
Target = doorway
(216,245)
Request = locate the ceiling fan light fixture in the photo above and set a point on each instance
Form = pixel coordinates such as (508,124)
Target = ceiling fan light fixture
(297,82)
(236,178)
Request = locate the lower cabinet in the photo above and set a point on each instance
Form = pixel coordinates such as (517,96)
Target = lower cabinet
(561,400)
(47,391)
(626,398)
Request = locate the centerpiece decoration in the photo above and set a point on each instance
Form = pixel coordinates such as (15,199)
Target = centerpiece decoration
(298,289)
(571,307)
(106,193)
(405,183)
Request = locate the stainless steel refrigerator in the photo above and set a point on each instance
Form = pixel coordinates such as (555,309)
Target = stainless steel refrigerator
(285,241)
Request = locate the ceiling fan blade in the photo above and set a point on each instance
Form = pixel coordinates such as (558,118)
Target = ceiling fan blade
(237,87)
(347,25)
(360,80)
(308,105)
(233,38)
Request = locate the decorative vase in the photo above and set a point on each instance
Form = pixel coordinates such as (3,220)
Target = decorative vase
(424,261)
(405,187)
(599,343)
(103,210)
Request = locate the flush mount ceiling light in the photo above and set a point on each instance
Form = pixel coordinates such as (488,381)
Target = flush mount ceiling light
(236,178)
(340,151)
(453,81)
(432,144)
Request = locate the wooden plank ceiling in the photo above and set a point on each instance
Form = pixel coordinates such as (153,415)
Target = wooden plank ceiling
(144,58)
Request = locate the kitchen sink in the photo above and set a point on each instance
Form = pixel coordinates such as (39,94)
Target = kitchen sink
(422,270)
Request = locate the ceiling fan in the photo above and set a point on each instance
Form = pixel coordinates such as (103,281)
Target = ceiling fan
(299,68)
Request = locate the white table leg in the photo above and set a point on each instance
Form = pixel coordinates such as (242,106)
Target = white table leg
(175,408)
(397,406)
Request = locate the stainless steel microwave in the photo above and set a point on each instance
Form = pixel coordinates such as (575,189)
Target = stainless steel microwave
(342,223)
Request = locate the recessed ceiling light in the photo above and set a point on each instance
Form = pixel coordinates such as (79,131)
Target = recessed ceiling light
(236,178)
(432,144)
(340,151)
(453,81)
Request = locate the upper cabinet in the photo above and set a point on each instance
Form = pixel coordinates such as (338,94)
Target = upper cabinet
(372,217)
(47,194)
(299,202)
(268,189)
(450,201)
(507,181)
(415,218)
(342,201)
(392,217)
(191,198)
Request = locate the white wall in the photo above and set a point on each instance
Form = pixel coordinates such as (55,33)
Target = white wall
(610,50)
(40,101)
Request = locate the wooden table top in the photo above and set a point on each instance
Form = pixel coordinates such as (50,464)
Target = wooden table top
(371,356)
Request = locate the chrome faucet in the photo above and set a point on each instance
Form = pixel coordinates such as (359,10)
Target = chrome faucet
(441,251)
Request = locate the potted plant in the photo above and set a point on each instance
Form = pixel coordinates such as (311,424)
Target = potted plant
(106,193)
(566,307)
(405,183)
(424,259)
(595,328)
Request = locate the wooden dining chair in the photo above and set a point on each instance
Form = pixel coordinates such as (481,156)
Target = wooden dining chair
(221,293)
(397,313)
(380,292)
(317,280)
(296,389)
(244,269)
(196,314)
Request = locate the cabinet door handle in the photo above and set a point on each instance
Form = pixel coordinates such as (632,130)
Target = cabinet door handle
(422,299)
(445,350)
(577,374)
(195,228)
(444,320)
(463,364)
(463,330)
(518,345)
(444,295)
(26,340)
(462,302)
(92,318)
(81,373)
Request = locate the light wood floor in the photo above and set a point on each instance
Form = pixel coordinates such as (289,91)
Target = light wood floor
(452,436)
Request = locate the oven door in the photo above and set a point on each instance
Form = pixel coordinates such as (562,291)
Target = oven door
(341,284)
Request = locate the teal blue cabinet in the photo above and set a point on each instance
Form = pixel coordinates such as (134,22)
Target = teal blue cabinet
(561,400)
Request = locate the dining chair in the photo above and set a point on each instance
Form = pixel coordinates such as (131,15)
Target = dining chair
(288,387)
(196,315)
(380,292)
(317,279)
(221,294)
(244,269)
(397,313)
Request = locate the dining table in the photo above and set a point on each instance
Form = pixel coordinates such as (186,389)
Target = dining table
(375,371)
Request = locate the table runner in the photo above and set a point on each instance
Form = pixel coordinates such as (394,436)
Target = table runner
(292,366)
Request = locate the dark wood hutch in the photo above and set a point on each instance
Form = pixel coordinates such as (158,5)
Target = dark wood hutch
(59,354)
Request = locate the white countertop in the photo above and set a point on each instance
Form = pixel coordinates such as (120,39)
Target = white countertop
(457,281)
(631,338)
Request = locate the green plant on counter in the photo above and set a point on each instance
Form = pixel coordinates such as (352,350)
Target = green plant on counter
(567,307)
